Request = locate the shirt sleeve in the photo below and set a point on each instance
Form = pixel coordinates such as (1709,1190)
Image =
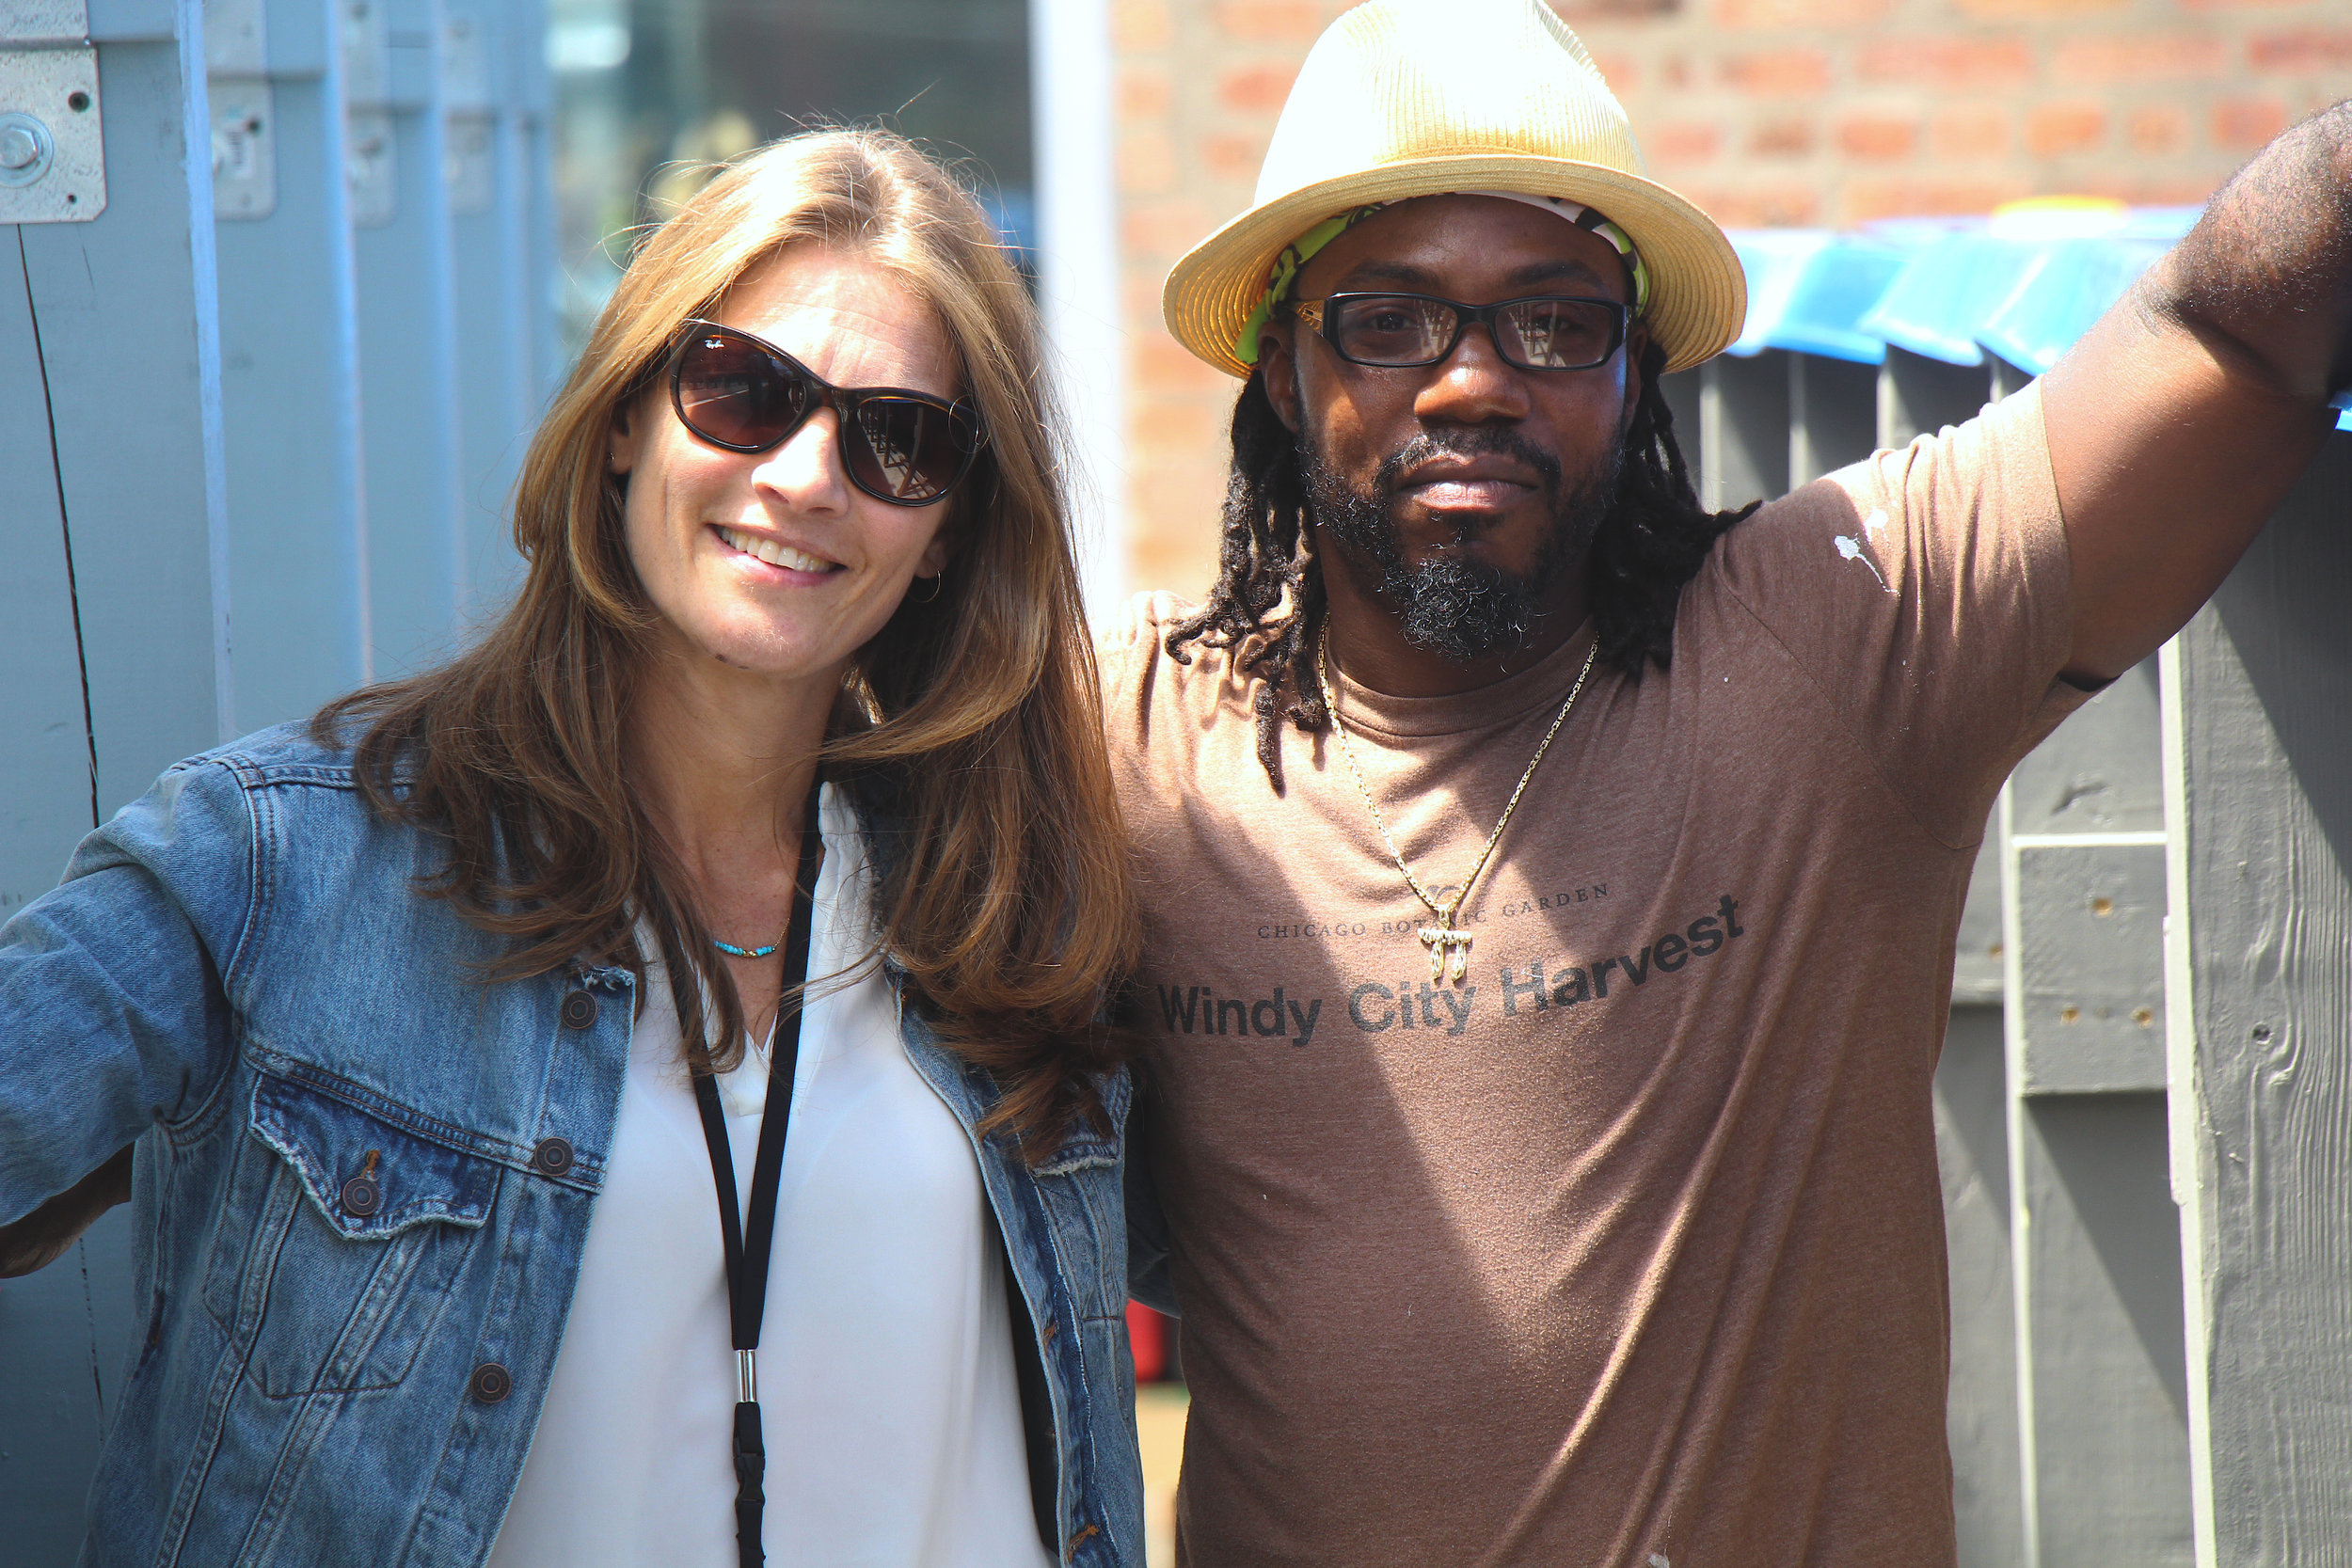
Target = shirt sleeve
(1925,593)
(113,1014)
(1128,652)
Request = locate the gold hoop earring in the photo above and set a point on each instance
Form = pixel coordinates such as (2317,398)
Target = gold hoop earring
(926,598)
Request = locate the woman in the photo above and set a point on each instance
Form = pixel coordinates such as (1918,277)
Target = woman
(459,1032)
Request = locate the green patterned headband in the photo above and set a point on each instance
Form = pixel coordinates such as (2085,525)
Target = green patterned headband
(1303,249)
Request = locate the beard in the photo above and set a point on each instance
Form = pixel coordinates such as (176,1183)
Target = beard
(1460,610)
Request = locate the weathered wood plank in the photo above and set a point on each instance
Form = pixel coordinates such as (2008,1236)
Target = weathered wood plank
(2101,1378)
(1683,395)
(409,443)
(123,306)
(496,310)
(2091,923)
(2100,772)
(1743,429)
(2102,1384)
(133,294)
(2262,1044)
(49,1412)
(1833,415)
(1918,396)
(290,393)
(47,800)
(1972,1150)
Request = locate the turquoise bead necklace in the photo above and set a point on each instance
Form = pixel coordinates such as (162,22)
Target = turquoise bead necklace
(734,952)
(730,948)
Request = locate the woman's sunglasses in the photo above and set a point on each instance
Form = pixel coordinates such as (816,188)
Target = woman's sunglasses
(902,447)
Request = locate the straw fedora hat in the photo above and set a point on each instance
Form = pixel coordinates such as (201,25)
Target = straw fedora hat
(1405,98)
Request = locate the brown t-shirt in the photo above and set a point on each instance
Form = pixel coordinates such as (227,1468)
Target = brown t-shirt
(1629,1248)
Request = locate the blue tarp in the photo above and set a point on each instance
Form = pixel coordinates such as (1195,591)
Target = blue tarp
(2022,285)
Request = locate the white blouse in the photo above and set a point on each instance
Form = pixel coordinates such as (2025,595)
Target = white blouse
(887,1389)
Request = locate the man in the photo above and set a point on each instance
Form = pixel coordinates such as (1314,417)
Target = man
(1552,887)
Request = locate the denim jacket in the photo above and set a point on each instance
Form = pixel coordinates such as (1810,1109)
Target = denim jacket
(363,1179)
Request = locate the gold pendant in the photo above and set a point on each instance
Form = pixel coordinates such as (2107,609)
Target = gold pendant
(1449,951)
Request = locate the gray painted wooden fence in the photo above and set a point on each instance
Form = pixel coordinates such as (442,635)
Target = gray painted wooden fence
(2259,787)
(200,517)
(113,517)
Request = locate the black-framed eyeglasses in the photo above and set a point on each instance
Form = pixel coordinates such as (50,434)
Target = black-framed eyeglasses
(1543,332)
(747,395)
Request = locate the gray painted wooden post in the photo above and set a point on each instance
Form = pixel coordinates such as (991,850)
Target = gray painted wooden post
(2259,1038)
(290,372)
(132,293)
(534,88)
(112,526)
(2101,1390)
(48,1405)
(490,207)
(1833,415)
(1743,429)
(409,420)
(1684,393)
(1920,396)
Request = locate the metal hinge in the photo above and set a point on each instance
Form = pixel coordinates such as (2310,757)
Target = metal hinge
(473,121)
(370,148)
(52,156)
(245,115)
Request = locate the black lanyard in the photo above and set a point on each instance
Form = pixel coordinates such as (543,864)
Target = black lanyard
(750,1242)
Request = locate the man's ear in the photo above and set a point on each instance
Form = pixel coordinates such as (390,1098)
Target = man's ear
(1279,367)
(620,451)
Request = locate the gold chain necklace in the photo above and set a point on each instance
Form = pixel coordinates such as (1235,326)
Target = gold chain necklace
(1448,944)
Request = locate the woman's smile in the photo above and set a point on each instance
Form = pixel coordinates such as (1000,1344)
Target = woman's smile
(775,552)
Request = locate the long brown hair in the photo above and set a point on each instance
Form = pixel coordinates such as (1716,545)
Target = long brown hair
(969,729)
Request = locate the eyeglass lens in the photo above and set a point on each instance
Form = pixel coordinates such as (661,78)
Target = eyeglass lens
(1537,334)
(733,392)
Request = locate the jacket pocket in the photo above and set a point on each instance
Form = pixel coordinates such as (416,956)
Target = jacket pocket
(1087,1148)
(334,1255)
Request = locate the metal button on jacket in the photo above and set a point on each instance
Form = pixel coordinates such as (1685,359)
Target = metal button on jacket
(553,1157)
(580,1010)
(490,1383)
(360,1195)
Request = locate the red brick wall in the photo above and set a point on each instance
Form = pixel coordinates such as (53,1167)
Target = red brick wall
(1762,111)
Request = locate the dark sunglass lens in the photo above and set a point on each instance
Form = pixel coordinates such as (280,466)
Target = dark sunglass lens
(907,451)
(1559,334)
(1392,329)
(736,393)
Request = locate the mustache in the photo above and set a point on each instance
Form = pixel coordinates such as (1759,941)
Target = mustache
(1485,440)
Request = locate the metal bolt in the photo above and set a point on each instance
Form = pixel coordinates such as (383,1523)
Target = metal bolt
(25,150)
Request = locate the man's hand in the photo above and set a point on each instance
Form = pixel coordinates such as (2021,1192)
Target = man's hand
(40,1238)
(2182,420)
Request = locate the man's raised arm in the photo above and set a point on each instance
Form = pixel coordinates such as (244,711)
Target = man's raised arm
(2181,419)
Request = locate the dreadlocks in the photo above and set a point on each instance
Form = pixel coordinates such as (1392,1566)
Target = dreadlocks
(1651,542)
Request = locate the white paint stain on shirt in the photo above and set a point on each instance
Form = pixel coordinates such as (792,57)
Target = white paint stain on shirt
(1852,547)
